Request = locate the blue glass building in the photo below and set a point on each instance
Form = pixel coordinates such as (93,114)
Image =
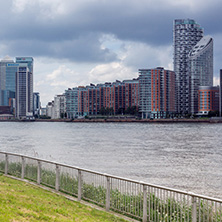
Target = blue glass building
(8,68)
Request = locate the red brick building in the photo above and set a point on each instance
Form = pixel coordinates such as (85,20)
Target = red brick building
(208,99)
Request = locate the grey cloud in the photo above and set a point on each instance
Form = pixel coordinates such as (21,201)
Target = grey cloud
(83,49)
(128,20)
(75,34)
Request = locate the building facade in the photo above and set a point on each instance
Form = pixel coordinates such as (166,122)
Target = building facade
(208,99)
(187,33)
(82,105)
(200,69)
(16,85)
(24,93)
(42,111)
(36,104)
(50,109)
(157,93)
(131,93)
(72,101)
(113,97)
(28,62)
(220,102)
(59,106)
(8,69)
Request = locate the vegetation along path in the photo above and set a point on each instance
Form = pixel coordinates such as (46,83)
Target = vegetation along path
(20,201)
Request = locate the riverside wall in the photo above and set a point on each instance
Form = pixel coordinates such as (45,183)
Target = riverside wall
(131,120)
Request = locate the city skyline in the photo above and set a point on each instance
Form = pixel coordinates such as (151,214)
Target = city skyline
(93,42)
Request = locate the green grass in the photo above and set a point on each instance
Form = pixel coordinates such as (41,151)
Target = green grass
(20,201)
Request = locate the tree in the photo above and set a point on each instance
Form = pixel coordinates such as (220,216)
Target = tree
(121,111)
(213,113)
(110,110)
(102,111)
(106,111)
(132,110)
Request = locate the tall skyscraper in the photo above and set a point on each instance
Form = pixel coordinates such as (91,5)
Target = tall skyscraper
(187,33)
(24,87)
(29,62)
(200,69)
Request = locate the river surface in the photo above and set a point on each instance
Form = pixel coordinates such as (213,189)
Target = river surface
(185,156)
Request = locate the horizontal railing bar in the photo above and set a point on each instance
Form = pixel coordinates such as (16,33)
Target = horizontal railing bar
(119,178)
(129,214)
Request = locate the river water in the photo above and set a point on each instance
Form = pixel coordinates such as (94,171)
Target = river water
(185,156)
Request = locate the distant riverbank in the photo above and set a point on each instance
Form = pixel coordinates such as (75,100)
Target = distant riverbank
(121,120)
(131,120)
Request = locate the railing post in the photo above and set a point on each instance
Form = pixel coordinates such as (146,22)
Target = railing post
(194,209)
(79,185)
(107,193)
(39,173)
(57,184)
(149,204)
(144,203)
(6,164)
(23,168)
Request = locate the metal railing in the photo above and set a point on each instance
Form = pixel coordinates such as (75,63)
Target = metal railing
(139,200)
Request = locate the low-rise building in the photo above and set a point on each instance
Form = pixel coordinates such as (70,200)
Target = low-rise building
(36,104)
(208,99)
(50,109)
(93,99)
(59,106)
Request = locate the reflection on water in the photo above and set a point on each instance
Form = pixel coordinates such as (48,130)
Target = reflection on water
(185,156)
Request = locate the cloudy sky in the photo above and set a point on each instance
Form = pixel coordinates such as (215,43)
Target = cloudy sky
(77,42)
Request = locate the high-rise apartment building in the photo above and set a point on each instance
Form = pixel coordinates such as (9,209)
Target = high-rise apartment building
(156,93)
(187,33)
(200,69)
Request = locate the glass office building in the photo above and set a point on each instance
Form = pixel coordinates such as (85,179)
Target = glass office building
(8,68)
